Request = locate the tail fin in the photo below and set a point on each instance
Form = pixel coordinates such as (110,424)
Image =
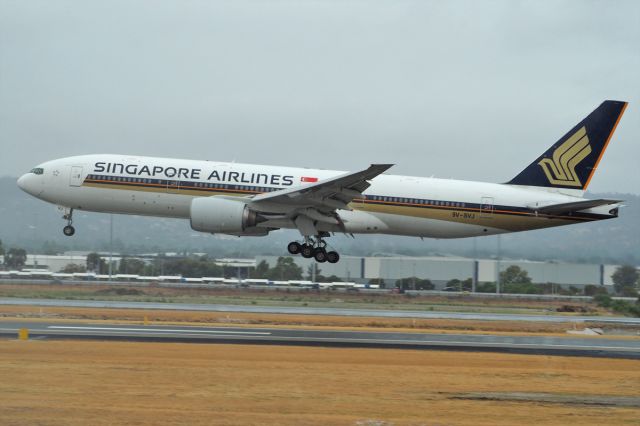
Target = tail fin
(571,162)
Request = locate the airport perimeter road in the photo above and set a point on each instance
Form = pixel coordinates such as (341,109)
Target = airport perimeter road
(569,346)
(316,311)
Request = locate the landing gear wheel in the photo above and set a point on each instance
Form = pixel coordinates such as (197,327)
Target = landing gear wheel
(320,254)
(306,251)
(333,257)
(68,216)
(294,247)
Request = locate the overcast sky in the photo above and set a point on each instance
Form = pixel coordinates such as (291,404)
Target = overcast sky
(465,89)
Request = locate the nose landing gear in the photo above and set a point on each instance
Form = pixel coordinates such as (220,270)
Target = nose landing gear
(314,248)
(68,230)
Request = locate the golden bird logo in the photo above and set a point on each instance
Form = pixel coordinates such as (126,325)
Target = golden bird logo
(561,168)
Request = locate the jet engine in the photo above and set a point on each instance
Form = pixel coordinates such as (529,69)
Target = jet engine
(218,215)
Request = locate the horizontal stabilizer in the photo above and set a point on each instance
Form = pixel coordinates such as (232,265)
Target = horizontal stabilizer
(575,206)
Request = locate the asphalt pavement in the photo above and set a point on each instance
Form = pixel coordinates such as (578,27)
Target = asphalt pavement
(318,311)
(544,345)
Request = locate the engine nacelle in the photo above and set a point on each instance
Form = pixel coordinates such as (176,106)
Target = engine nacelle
(223,216)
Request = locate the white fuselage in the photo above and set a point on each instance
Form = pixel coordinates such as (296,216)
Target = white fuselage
(401,205)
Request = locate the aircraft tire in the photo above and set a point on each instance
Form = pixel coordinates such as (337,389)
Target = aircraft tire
(306,251)
(320,254)
(68,230)
(333,257)
(294,247)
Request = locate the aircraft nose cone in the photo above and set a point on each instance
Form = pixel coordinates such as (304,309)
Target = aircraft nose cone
(28,184)
(22,182)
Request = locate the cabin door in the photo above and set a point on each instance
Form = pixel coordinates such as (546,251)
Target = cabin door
(75,178)
(486,207)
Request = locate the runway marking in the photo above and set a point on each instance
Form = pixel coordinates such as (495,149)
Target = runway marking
(461,343)
(152,330)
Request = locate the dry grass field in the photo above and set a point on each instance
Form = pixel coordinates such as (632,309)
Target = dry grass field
(301,297)
(109,383)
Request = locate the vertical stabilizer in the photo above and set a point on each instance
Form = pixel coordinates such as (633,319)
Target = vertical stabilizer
(571,162)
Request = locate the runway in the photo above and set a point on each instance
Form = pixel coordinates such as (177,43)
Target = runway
(543,345)
(317,311)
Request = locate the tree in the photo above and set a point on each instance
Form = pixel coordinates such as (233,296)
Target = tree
(285,269)
(131,266)
(414,283)
(514,275)
(15,258)
(193,266)
(571,291)
(625,279)
(594,290)
(72,268)
(486,288)
(1,250)
(313,272)
(261,270)
(523,288)
(95,263)
(459,285)
(319,278)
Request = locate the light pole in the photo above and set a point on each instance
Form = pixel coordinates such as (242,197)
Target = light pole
(498,268)
(110,245)
(474,278)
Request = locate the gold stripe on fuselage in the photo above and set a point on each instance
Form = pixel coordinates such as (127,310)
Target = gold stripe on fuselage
(164,189)
(501,219)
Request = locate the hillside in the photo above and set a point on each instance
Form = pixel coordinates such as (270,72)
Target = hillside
(37,226)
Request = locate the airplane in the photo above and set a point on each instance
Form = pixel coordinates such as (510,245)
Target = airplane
(253,200)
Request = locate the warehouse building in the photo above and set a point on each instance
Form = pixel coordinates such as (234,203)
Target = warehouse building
(440,270)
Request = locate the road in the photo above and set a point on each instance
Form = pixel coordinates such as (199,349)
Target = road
(570,346)
(317,311)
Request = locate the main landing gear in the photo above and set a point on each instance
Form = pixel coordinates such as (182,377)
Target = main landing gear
(68,216)
(315,248)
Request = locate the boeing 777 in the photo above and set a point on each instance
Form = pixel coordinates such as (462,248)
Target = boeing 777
(252,200)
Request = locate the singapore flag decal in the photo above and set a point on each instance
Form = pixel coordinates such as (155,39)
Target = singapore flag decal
(308,179)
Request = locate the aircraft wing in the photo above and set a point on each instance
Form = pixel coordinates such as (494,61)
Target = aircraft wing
(575,206)
(326,195)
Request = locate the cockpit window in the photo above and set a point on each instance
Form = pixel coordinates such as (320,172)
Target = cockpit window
(37,171)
